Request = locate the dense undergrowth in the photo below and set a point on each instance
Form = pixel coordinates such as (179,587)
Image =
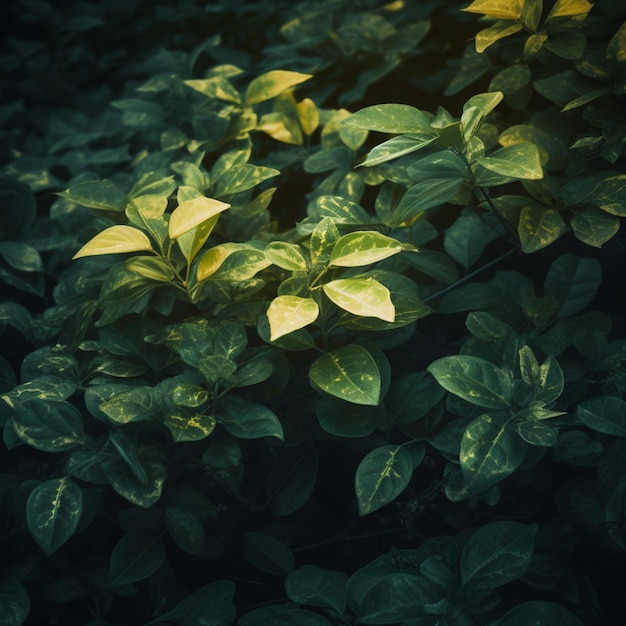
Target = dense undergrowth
(312,313)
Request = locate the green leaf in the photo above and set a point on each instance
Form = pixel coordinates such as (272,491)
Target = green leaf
(340,418)
(537,433)
(498,9)
(97,194)
(267,553)
(271,84)
(185,529)
(411,397)
(248,420)
(317,586)
(323,237)
(390,118)
(49,426)
(569,8)
(349,373)
(604,414)
(467,238)
(282,615)
(396,147)
(217,87)
(211,605)
(594,227)
(298,485)
(135,557)
(152,267)
(499,30)
(187,425)
(476,108)
(339,209)
(53,511)
(610,195)
(490,451)
(362,248)
(539,227)
(239,265)
(381,476)
(14,602)
(21,256)
(242,178)
(138,404)
(496,554)
(364,297)
(474,379)
(573,282)
(287,256)
(538,613)
(115,240)
(520,160)
(126,446)
(289,313)
(192,213)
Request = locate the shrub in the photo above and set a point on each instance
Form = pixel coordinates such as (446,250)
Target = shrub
(312,313)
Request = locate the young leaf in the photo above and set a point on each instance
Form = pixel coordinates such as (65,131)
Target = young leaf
(317,586)
(474,379)
(490,451)
(192,213)
(267,553)
(53,511)
(115,240)
(271,84)
(381,476)
(136,556)
(289,313)
(498,9)
(365,297)
(390,118)
(497,553)
(362,248)
(349,373)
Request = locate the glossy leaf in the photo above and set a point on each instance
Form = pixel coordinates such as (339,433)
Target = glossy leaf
(474,379)
(135,557)
(288,256)
(490,451)
(362,248)
(192,213)
(365,297)
(390,118)
(496,554)
(539,227)
(594,227)
(271,84)
(289,313)
(498,9)
(349,373)
(396,147)
(53,511)
(520,160)
(187,425)
(49,426)
(381,476)
(115,240)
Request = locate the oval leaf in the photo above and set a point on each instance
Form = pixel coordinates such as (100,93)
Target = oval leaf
(272,84)
(365,297)
(115,240)
(362,248)
(521,160)
(135,557)
(192,213)
(390,118)
(289,313)
(604,414)
(267,553)
(53,511)
(381,476)
(349,373)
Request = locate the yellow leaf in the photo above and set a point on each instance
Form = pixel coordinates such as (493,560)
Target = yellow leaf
(115,240)
(498,9)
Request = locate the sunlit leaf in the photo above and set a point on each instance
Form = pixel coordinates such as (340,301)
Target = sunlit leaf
(361,296)
(115,240)
(390,118)
(362,248)
(272,84)
(499,9)
(289,313)
(192,213)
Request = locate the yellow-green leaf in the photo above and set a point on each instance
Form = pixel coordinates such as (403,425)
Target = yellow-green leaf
(539,227)
(362,248)
(271,84)
(289,313)
(521,160)
(365,297)
(499,30)
(115,240)
(191,213)
(308,115)
(570,8)
(499,9)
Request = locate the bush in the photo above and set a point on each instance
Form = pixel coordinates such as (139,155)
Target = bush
(312,313)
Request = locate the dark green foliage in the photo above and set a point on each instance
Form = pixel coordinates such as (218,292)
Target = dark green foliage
(312,313)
